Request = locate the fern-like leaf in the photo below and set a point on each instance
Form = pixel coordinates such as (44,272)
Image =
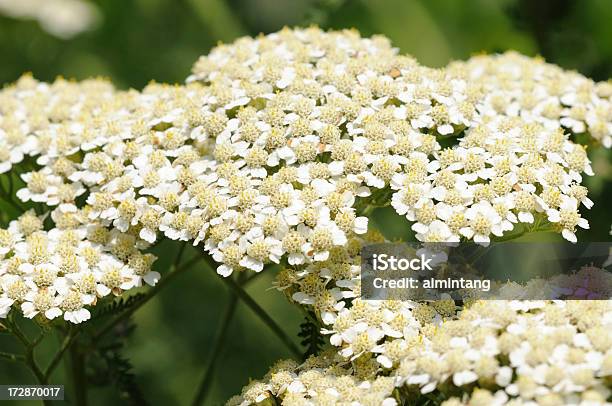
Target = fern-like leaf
(118,305)
(311,337)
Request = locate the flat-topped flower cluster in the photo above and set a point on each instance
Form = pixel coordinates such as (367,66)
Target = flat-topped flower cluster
(276,141)
(491,353)
(321,379)
(275,151)
(60,271)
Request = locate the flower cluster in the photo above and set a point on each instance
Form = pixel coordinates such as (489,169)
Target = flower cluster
(551,352)
(519,86)
(66,269)
(495,352)
(52,122)
(275,151)
(429,347)
(272,150)
(376,123)
(277,144)
(326,286)
(320,380)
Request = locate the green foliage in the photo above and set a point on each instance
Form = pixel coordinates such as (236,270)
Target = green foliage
(111,368)
(311,336)
(117,306)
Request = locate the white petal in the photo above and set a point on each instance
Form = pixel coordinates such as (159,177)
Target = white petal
(525,217)
(224,270)
(29,310)
(569,236)
(102,290)
(464,377)
(53,313)
(303,298)
(361,225)
(384,361)
(151,278)
(504,376)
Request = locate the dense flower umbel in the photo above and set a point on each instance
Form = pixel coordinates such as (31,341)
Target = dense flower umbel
(527,350)
(496,352)
(276,141)
(514,351)
(428,347)
(272,152)
(320,380)
(66,269)
(516,85)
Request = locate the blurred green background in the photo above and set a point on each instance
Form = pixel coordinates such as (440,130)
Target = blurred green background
(135,41)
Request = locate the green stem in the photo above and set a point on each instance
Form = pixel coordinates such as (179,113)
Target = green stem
(10,184)
(369,209)
(257,309)
(66,343)
(510,236)
(148,296)
(7,356)
(179,255)
(29,358)
(40,337)
(265,317)
(251,278)
(207,378)
(79,380)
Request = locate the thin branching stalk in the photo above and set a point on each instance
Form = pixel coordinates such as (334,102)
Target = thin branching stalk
(10,184)
(265,317)
(148,296)
(252,278)
(257,309)
(29,358)
(7,356)
(215,351)
(66,343)
(79,379)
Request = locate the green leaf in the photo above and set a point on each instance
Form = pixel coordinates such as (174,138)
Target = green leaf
(311,336)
